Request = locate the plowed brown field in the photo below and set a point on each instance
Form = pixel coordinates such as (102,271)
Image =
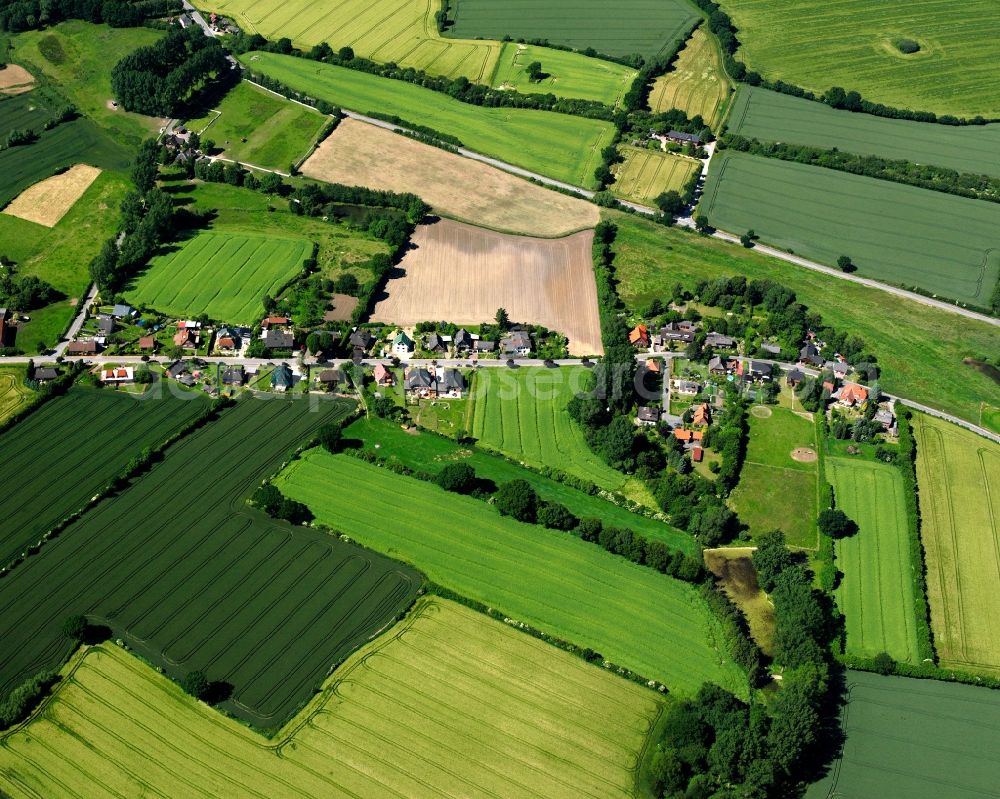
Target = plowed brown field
(463,274)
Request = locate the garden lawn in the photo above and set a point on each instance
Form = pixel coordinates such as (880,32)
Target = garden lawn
(253,126)
(560,146)
(903,335)
(876,593)
(426,452)
(771,116)
(634,616)
(223,275)
(450,702)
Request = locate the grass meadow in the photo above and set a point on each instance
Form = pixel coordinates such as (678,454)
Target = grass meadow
(14,395)
(852,44)
(548,579)
(645,174)
(253,126)
(223,275)
(943,244)
(430,453)
(696,83)
(958,474)
(914,739)
(771,116)
(557,145)
(647,27)
(190,577)
(775,491)
(876,593)
(903,335)
(449,703)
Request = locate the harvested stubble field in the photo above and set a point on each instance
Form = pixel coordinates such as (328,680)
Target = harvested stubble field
(471,191)
(451,703)
(876,592)
(14,395)
(426,452)
(463,273)
(189,576)
(903,235)
(548,579)
(772,116)
(645,174)
(15,79)
(914,739)
(98,432)
(852,43)
(958,476)
(647,27)
(224,275)
(47,201)
(696,83)
(561,146)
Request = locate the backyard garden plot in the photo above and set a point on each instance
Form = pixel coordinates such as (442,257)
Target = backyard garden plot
(463,273)
(940,243)
(14,395)
(223,275)
(253,126)
(958,476)
(47,201)
(650,259)
(359,153)
(190,577)
(451,703)
(876,592)
(696,83)
(771,116)
(915,739)
(426,452)
(645,174)
(647,27)
(777,490)
(551,580)
(853,44)
(559,146)
(98,432)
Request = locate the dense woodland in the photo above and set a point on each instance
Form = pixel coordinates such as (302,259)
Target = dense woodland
(22,15)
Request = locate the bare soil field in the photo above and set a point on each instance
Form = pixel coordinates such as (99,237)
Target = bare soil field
(463,274)
(48,200)
(341,308)
(15,80)
(360,154)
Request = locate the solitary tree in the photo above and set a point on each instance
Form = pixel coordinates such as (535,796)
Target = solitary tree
(534,71)
(670,203)
(75,627)
(747,239)
(701,223)
(836,524)
(844,264)
(196,684)
(330,437)
(502,319)
(517,499)
(457,477)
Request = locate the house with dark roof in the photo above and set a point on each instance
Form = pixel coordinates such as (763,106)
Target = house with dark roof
(122,311)
(686,387)
(794,377)
(331,379)
(362,340)
(43,374)
(434,343)
(234,376)
(281,378)
(176,369)
(683,138)
(420,381)
(517,343)
(85,347)
(683,332)
(757,370)
(716,366)
(719,340)
(463,340)
(647,416)
(275,339)
(105,324)
(451,383)
(483,345)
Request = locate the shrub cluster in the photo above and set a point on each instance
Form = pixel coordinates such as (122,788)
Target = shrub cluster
(270,500)
(24,698)
(23,15)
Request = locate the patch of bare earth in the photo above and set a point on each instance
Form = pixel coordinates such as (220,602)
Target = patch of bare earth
(15,80)
(360,154)
(464,273)
(341,308)
(48,200)
(803,455)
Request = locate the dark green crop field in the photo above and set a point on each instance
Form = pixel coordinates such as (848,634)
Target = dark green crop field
(647,27)
(28,111)
(915,739)
(64,453)
(190,577)
(771,116)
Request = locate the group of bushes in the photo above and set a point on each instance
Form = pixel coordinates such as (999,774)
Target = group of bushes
(23,15)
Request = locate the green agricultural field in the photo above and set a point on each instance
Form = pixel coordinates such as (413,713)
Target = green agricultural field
(635,617)
(451,703)
(903,335)
(876,592)
(426,452)
(253,126)
(902,235)
(190,577)
(223,275)
(914,739)
(645,174)
(771,116)
(958,474)
(852,44)
(28,111)
(557,145)
(99,432)
(568,74)
(696,83)
(647,27)
(14,395)
(776,491)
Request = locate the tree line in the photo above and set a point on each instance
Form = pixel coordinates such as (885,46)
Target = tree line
(23,15)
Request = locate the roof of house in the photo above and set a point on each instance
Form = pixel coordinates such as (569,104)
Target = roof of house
(682,434)
(484,345)
(648,414)
(106,325)
(274,320)
(639,335)
(761,367)
(117,373)
(882,416)
(808,351)
(418,377)
(795,374)
(680,136)
(451,379)
(279,339)
(82,347)
(147,343)
(719,340)
(233,376)
(852,392)
(702,414)
(517,340)
(434,342)
(187,324)
(716,364)
(653,365)
(282,376)
(176,368)
(688,386)
(184,336)
(463,338)
(382,374)
(697,453)
(122,310)
(401,339)
(45,373)
(331,376)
